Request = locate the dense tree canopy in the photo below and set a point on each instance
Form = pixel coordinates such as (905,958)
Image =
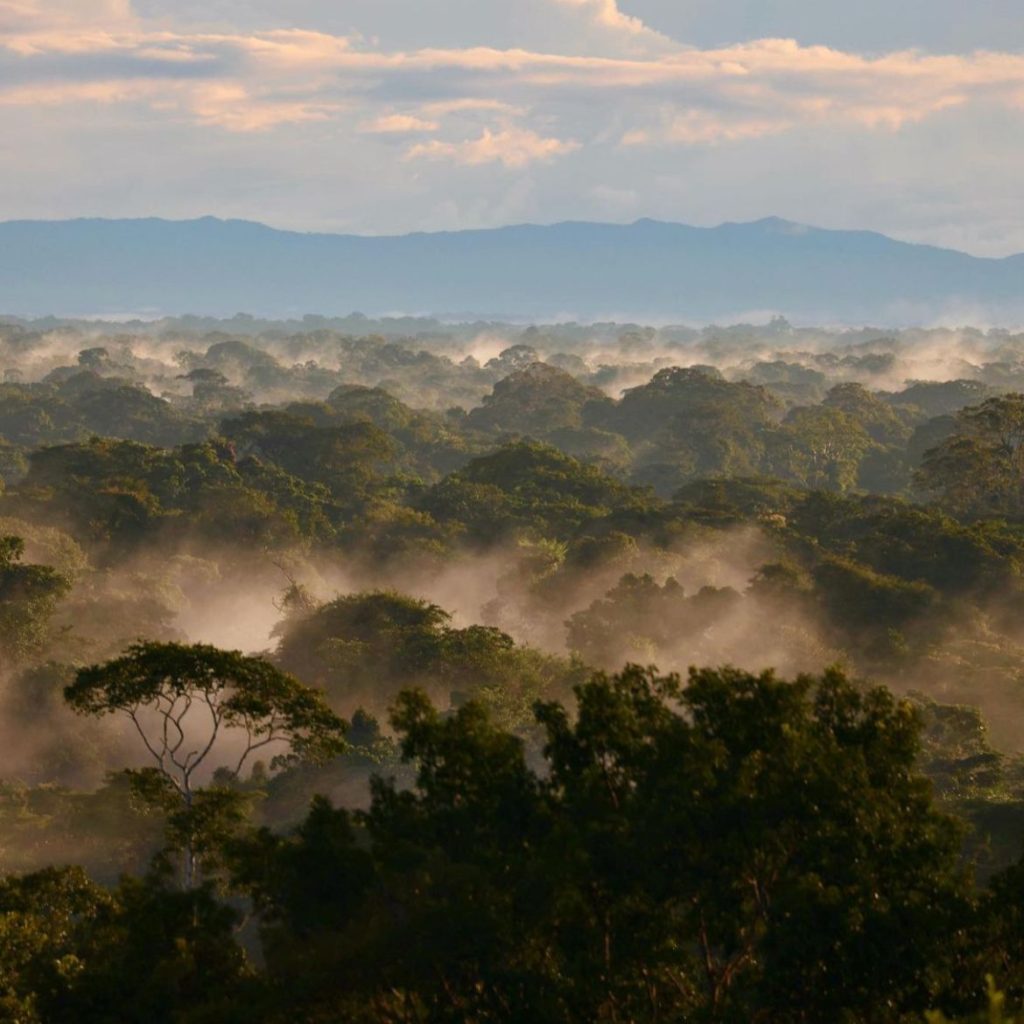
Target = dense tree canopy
(28,596)
(979,469)
(684,854)
(440,533)
(371,646)
(192,704)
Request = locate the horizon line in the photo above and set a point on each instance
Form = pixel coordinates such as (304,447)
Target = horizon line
(758,221)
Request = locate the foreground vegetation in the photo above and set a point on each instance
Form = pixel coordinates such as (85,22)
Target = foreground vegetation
(438,786)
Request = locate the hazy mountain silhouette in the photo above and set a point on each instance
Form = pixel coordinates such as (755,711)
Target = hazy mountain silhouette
(644,270)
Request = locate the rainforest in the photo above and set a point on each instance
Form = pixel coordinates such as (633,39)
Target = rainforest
(413,670)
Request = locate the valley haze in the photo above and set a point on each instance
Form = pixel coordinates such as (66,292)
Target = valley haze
(648,270)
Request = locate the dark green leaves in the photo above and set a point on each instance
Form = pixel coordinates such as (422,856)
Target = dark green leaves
(734,848)
(28,596)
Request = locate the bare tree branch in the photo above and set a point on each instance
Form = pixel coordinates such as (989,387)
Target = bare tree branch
(272,737)
(200,757)
(159,758)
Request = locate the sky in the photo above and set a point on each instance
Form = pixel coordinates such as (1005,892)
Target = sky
(387,116)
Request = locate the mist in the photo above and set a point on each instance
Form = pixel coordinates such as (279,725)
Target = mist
(519,504)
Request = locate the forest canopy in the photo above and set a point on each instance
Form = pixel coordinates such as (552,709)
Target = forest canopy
(421,671)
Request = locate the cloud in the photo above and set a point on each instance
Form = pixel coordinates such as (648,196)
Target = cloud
(558,26)
(702,127)
(39,15)
(398,124)
(512,147)
(580,75)
(938,26)
(473,104)
(231,107)
(684,96)
(72,93)
(607,15)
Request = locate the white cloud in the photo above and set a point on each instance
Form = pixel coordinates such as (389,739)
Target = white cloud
(37,15)
(626,29)
(710,95)
(607,13)
(398,124)
(939,26)
(559,26)
(512,147)
(479,84)
(703,127)
(471,104)
(231,107)
(72,93)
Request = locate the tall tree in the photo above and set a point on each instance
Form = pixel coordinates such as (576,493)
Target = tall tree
(28,596)
(736,848)
(192,705)
(979,469)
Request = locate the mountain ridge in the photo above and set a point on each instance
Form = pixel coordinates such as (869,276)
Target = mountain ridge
(760,222)
(590,270)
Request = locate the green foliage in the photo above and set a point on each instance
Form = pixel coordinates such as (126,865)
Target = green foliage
(868,599)
(159,686)
(368,647)
(238,693)
(108,831)
(537,401)
(41,920)
(736,848)
(979,469)
(688,423)
(344,458)
(123,494)
(28,598)
(994,1014)
(820,447)
(640,614)
(525,487)
(85,404)
(885,424)
(732,848)
(72,952)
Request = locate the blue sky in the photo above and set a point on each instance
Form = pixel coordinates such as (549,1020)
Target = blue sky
(396,115)
(940,26)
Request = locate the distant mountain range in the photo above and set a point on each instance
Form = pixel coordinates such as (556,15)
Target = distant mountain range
(649,271)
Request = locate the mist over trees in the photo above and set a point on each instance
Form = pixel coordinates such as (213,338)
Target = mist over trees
(409,671)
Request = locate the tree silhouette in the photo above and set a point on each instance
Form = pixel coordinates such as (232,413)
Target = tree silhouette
(185,701)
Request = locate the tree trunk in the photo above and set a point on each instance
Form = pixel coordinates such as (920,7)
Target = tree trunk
(190,851)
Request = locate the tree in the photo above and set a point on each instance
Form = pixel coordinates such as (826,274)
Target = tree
(764,845)
(187,702)
(942,398)
(42,917)
(639,618)
(996,1012)
(535,401)
(883,423)
(979,469)
(72,952)
(820,446)
(370,646)
(862,599)
(28,596)
(120,493)
(345,457)
(526,487)
(688,423)
(736,848)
